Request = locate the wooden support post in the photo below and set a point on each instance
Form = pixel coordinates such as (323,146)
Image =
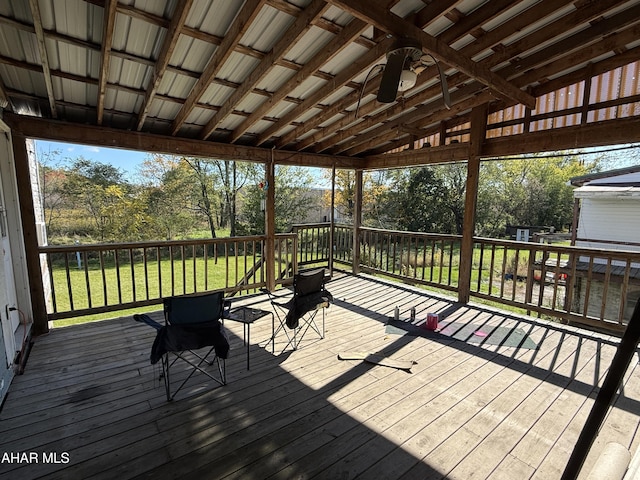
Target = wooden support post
(478,134)
(357,222)
(270,224)
(332,219)
(28,220)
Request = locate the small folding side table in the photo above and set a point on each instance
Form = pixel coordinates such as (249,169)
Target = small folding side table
(246,316)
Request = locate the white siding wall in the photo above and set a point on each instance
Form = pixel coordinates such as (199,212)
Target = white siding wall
(616,219)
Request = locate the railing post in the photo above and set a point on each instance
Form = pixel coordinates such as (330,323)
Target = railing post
(357,222)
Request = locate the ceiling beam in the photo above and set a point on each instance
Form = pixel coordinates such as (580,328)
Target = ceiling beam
(44,58)
(581,38)
(585,12)
(299,27)
(107,38)
(40,128)
(597,134)
(243,20)
(434,112)
(389,22)
(178,19)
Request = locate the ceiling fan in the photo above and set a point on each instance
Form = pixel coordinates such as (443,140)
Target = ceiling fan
(405,60)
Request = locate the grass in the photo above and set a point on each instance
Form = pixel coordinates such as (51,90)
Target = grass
(126,284)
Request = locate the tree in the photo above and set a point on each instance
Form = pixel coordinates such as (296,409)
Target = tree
(374,187)
(291,200)
(52,180)
(100,191)
(528,192)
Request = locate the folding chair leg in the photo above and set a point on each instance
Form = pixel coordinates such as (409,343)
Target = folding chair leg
(166,366)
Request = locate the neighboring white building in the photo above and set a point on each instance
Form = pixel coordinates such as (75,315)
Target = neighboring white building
(607,216)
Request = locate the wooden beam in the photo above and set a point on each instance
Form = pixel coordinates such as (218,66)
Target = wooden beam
(170,40)
(44,58)
(107,39)
(237,29)
(357,221)
(388,21)
(282,46)
(597,134)
(478,136)
(431,112)
(488,40)
(39,128)
(424,156)
(586,12)
(270,223)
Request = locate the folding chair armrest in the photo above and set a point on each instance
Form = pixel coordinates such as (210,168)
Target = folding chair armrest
(273,296)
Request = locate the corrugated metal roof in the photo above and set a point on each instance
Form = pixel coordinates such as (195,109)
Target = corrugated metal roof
(546,48)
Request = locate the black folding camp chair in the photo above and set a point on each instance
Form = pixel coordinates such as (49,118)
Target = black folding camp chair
(192,322)
(297,315)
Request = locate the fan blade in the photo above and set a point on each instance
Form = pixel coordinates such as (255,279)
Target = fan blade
(391,79)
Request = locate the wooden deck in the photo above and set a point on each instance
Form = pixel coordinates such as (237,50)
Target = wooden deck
(90,400)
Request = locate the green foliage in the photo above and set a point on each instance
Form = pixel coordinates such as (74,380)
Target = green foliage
(527,192)
(292,200)
(428,199)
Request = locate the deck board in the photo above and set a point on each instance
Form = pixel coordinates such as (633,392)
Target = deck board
(465,410)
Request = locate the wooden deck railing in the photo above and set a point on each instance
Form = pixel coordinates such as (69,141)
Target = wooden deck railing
(594,287)
(97,278)
(589,286)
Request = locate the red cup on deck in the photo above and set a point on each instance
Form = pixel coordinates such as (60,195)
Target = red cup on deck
(432,321)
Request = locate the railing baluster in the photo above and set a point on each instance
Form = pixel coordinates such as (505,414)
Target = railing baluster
(105,294)
(86,278)
(68,274)
(54,303)
(133,275)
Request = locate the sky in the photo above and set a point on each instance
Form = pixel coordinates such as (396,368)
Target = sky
(129,160)
(125,160)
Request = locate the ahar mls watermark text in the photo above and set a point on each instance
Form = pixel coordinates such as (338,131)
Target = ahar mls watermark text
(35,457)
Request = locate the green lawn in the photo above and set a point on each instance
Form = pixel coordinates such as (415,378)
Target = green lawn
(126,284)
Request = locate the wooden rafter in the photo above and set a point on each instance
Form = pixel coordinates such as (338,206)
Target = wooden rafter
(581,38)
(239,26)
(44,58)
(427,15)
(173,33)
(359,65)
(288,39)
(348,33)
(107,39)
(387,21)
